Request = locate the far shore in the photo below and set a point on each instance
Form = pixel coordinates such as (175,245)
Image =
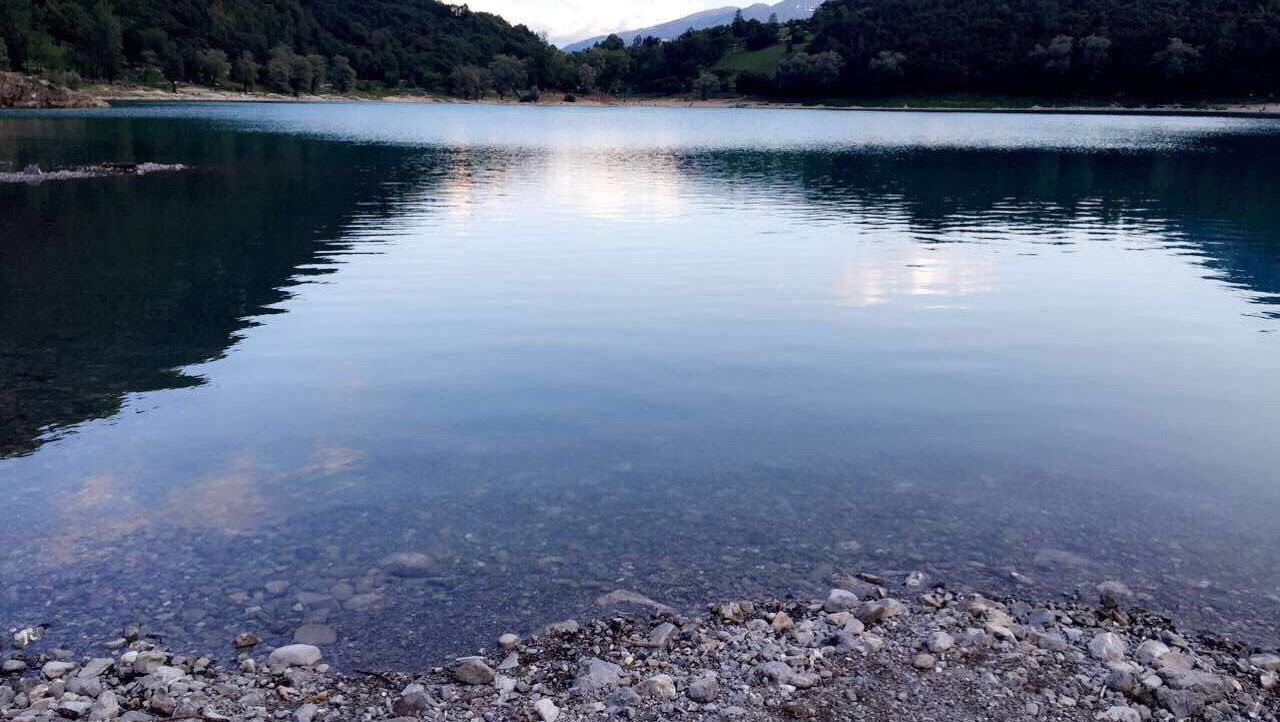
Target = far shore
(195,93)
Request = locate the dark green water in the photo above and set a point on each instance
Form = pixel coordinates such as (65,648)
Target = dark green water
(697,354)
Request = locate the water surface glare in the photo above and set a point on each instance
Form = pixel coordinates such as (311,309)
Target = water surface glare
(694,353)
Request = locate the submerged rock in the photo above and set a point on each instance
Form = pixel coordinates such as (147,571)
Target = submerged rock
(623,597)
(408,564)
(315,634)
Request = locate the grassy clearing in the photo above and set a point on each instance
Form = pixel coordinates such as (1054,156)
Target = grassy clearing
(755,61)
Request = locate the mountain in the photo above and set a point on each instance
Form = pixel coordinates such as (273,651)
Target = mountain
(786,11)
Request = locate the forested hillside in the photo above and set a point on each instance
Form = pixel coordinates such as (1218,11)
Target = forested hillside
(1067,46)
(291,44)
(1047,48)
(1128,49)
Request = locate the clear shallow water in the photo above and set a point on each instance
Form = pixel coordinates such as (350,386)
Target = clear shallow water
(696,354)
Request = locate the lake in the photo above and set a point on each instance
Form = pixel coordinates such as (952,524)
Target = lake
(698,354)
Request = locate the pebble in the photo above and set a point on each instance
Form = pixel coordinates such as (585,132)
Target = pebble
(659,686)
(1113,593)
(566,627)
(295,655)
(940,642)
(880,610)
(547,710)
(473,671)
(162,704)
(1150,652)
(841,600)
(413,704)
(306,713)
(782,622)
(73,708)
(1108,647)
(596,674)
(662,635)
(56,670)
(748,660)
(1268,662)
(704,688)
(1052,642)
(1119,713)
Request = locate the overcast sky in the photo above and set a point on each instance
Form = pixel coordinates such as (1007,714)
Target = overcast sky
(565,21)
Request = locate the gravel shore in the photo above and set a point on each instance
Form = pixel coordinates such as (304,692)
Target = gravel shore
(875,649)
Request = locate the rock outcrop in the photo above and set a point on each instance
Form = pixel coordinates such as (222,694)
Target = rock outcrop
(24,91)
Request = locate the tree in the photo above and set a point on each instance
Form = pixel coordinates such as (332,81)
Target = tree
(343,75)
(586,77)
(299,74)
(174,67)
(245,71)
(506,74)
(1178,60)
(152,72)
(612,65)
(212,67)
(319,72)
(4,55)
(750,82)
(468,81)
(706,85)
(810,73)
(826,68)
(1056,58)
(105,44)
(280,69)
(1095,54)
(886,67)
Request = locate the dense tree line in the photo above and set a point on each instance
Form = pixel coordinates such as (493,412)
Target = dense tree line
(293,45)
(1062,48)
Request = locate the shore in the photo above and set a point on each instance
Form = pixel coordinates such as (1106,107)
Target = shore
(193,93)
(874,648)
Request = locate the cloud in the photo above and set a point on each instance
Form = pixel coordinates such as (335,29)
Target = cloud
(565,21)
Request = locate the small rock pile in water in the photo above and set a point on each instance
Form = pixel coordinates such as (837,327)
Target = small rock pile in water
(858,654)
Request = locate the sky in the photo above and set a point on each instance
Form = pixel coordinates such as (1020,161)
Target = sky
(565,21)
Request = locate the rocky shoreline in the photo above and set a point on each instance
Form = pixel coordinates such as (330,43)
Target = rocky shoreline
(26,92)
(873,649)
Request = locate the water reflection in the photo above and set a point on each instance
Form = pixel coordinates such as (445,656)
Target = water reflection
(647,353)
(150,275)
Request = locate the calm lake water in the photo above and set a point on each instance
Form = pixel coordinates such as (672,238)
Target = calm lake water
(696,354)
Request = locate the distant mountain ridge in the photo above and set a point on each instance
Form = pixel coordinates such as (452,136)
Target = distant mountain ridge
(786,10)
